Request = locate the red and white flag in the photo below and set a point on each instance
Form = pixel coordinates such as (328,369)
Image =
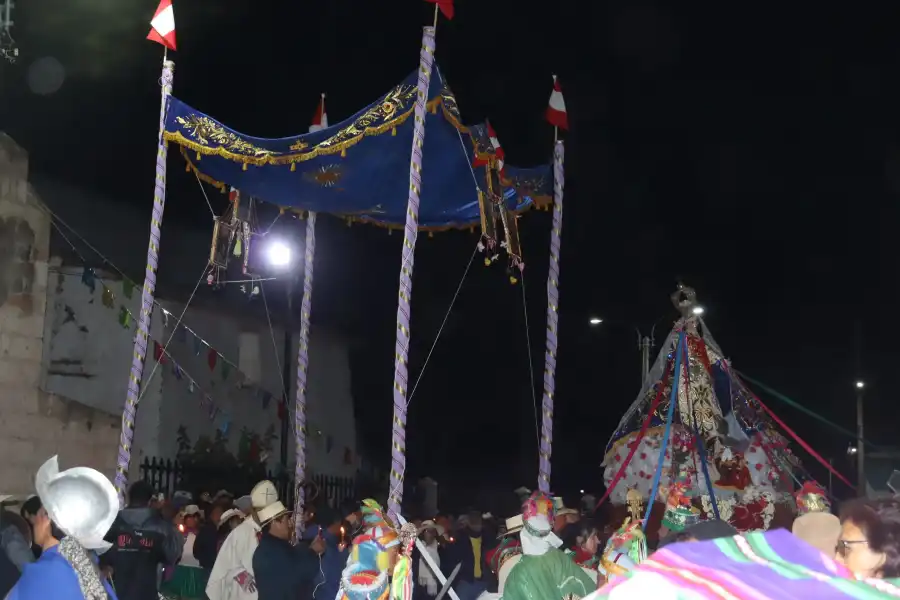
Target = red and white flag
(162,26)
(556,111)
(320,120)
(233,195)
(498,151)
(446,7)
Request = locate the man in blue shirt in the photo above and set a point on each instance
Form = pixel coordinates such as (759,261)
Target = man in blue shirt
(283,571)
(328,525)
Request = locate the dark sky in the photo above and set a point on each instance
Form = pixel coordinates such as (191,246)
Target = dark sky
(751,151)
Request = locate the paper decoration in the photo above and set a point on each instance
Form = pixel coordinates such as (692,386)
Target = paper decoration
(159,353)
(211,358)
(124,317)
(198,345)
(225,369)
(127,288)
(88,279)
(109,299)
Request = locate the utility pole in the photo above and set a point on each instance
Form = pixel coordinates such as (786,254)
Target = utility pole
(645,343)
(860,448)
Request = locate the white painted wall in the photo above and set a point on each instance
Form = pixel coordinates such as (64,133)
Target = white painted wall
(88,353)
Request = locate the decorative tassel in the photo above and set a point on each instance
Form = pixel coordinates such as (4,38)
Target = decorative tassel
(393,132)
(199,158)
(244,167)
(343,153)
(187,167)
(293,167)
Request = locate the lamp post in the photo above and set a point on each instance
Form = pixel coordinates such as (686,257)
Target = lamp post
(860,449)
(279,257)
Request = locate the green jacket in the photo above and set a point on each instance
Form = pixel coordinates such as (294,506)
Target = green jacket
(551,576)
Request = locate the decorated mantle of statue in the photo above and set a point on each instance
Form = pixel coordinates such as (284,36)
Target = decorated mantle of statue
(698,419)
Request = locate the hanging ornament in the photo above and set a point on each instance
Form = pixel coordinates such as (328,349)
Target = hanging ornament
(211,358)
(89,279)
(177,371)
(165,317)
(124,318)
(108,299)
(191,386)
(226,368)
(127,288)
(198,345)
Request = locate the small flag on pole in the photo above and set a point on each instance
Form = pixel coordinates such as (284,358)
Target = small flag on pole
(162,26)
(498,151)
(446,7)
(556,111)
(320,120)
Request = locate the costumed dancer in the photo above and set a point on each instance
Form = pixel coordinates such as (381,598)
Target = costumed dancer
(815,524)
(544,572)
(83,504)
(680,513)
(232,575)
(627,547)
(373,556)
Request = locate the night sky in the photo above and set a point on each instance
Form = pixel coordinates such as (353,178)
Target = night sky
(750,151)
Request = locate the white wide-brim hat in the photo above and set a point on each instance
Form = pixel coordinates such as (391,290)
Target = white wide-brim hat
(271,512)
(229,514)
(81,501)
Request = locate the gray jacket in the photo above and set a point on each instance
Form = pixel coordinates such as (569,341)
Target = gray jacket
(14,544)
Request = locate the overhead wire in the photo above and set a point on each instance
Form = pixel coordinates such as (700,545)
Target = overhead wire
(535,412)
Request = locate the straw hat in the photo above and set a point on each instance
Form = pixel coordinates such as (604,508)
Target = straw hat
(229,514)
(271,512)
(80,501)
(513,525)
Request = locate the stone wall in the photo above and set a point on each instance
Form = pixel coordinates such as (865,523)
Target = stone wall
(35,425)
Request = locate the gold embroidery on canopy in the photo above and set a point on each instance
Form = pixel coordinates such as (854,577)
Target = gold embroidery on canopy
(212,136)
(299,145)
(326,176)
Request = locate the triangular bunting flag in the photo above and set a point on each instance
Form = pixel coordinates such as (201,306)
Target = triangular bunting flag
(162,26)
(446,7)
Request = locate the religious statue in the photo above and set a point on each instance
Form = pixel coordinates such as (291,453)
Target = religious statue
(733,471)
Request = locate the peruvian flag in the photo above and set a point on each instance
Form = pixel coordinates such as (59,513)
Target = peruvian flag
(556,111)
(498,151)
(320,120)
(446,7)
(233,195)
(162,26)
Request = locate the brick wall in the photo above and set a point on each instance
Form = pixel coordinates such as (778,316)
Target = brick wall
(35,425)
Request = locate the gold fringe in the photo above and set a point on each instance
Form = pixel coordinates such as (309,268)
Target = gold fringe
(308,154)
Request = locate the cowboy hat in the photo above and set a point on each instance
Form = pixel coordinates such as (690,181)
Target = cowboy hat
(513,525)
(271,512)
(190,510)
(229,514)
(429,524)
(80,501)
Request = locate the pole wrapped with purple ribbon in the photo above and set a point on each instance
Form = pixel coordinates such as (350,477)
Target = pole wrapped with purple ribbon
(546,450)
(143,327)
(401,355)
(303,370)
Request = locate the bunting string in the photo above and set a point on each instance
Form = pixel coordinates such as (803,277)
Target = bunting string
(216,360)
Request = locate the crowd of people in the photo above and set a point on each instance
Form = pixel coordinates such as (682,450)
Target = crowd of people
(72,542)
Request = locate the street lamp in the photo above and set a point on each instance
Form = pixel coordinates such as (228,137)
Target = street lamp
(699,310)
(596,321)
(860,385)
(278,254)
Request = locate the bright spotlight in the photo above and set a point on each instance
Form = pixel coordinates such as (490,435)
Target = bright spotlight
(582,491)
(278,254)
(698,310)
(596,320)
(860,385)
(851,450)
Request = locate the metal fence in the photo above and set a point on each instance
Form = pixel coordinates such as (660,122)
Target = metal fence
(168,476)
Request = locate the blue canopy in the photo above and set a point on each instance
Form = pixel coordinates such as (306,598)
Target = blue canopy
(359,168)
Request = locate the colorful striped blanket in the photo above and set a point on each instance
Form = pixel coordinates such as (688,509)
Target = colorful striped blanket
(773,565)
